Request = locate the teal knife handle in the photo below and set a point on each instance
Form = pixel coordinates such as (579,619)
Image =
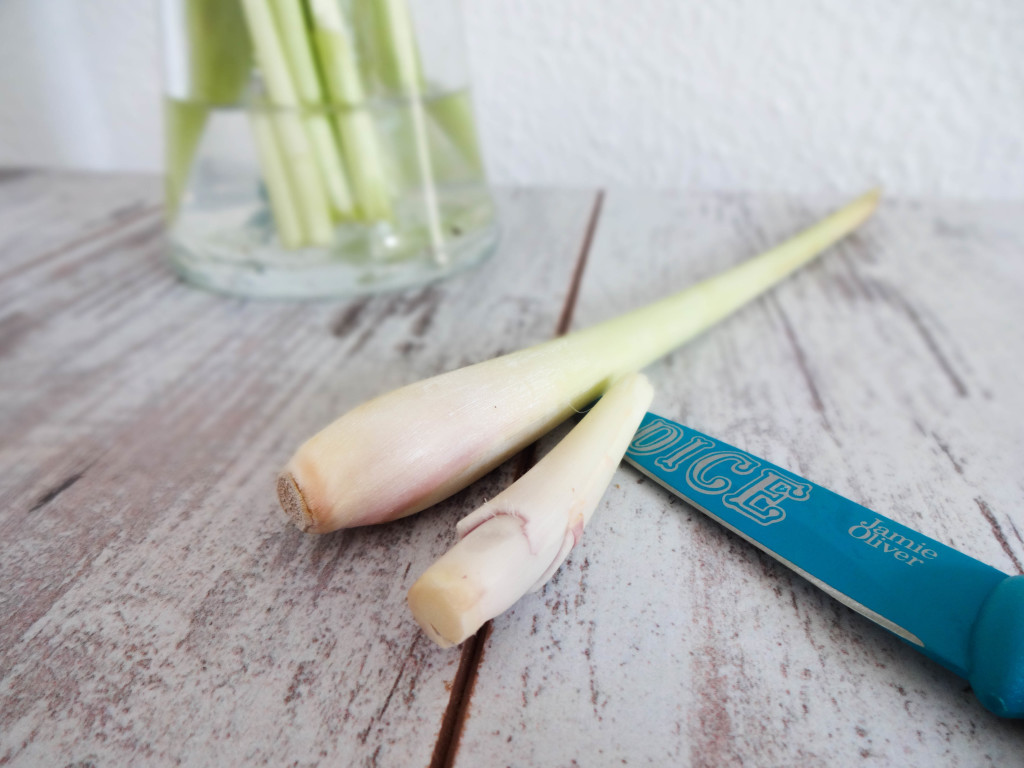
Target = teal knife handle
(997,650)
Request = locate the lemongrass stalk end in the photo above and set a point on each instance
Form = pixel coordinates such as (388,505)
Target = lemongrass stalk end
(293,502)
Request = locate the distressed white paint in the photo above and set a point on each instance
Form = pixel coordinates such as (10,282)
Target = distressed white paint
(157,609)
(887,371)
(804,96)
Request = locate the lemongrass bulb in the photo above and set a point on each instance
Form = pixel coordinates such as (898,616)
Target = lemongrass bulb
(516,541)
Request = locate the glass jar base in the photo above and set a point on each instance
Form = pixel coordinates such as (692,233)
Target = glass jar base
(318,273)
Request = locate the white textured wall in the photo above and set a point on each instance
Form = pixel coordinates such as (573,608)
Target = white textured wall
(79,84)
(925,96)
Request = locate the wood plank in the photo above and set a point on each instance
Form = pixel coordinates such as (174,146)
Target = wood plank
(889,372)
(44,213)
(155,607)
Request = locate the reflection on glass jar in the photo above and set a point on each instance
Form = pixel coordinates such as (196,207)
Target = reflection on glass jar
(320,147)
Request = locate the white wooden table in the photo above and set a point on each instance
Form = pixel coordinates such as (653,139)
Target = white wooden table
(157,609)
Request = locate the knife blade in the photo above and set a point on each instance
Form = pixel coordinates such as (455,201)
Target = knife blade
(964,614)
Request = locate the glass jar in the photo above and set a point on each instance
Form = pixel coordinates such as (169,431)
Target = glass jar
(320,147)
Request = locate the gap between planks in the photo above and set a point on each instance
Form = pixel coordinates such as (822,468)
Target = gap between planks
(457,711)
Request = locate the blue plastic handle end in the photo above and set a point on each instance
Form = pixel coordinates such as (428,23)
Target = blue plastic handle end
(997,650)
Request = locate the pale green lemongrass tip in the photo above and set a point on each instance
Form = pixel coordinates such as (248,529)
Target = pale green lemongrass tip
(647,333)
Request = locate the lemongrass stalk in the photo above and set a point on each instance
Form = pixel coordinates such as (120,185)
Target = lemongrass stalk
(447,160)
(369,177)
(453,114)
(325,143)
(210,35)
(406,450)
(515,542)
(291,22)
(399,36)
(311,198)
(394,67)
(297,147)
(184,123)
(275,179)
(295,39)
(345,88)
(270,53)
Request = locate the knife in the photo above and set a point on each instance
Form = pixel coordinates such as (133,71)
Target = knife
(964,614)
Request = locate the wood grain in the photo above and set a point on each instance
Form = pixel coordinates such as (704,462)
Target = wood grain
(888,371)
(157,609)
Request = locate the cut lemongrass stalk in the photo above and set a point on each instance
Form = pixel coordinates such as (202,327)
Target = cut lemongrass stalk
(515,542)
(219,61)
(369,179)
(453,114)
(291,22)
(332,166)
(400,37)
(304,170)
(275,179)
(296,145)
(431,205)
(270,53)
(406,450)
(345,89)
(298,50)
